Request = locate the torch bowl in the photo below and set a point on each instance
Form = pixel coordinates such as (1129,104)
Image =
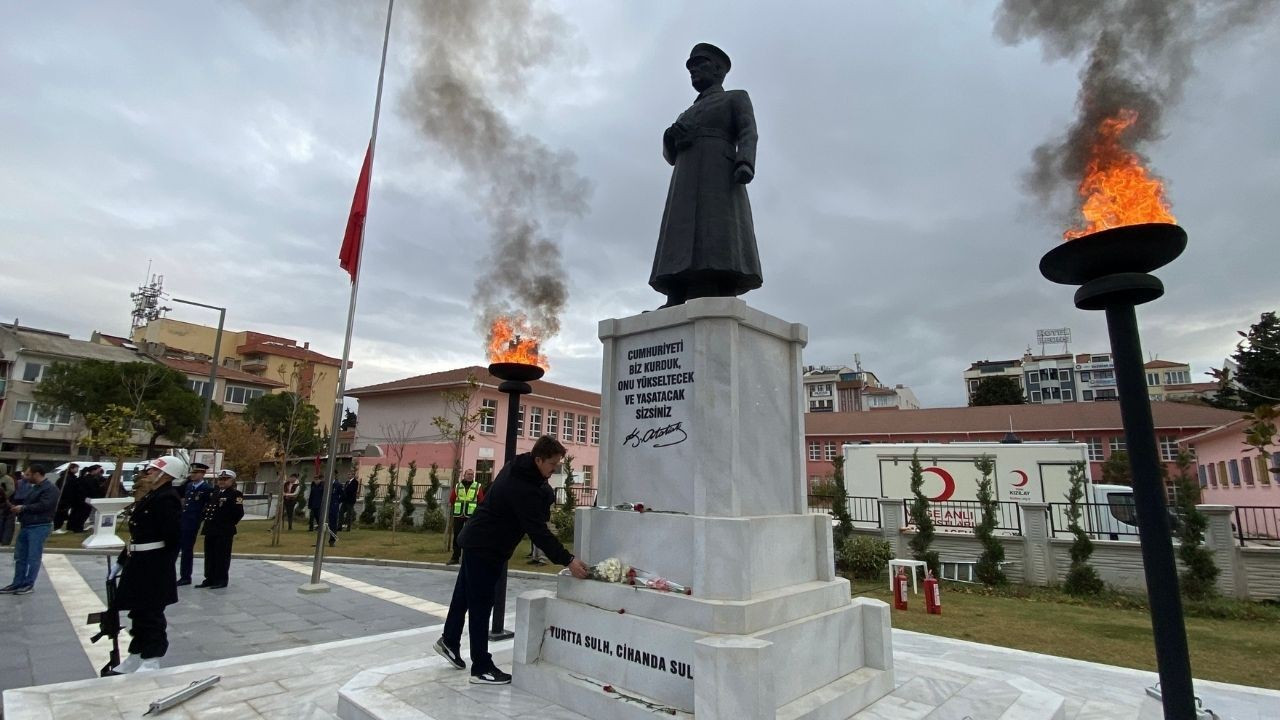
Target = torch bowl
(1127,249)
(519,372)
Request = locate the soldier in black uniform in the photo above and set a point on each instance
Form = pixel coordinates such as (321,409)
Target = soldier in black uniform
(221,514)
(147,578)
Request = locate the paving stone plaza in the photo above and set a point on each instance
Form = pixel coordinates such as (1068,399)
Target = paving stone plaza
(282,654)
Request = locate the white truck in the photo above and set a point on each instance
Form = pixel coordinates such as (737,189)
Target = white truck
(1024,472)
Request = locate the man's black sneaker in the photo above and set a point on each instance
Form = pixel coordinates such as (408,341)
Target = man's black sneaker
(9,589)
(184,581)
(491,677)
(24,590)
(449,654)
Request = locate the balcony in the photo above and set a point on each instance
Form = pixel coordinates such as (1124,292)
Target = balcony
(254,364)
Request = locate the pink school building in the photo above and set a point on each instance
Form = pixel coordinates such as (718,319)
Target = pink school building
(393,408)
(1233,473)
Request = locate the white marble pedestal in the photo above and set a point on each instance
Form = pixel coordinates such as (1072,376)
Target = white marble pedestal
(106,513)
(703,422)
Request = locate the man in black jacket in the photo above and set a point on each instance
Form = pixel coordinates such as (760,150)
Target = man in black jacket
(517,503)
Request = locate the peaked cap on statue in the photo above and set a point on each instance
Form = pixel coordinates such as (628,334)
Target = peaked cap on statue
(711,52)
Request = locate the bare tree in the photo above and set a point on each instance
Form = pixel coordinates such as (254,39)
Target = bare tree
(457,426)
(397,436)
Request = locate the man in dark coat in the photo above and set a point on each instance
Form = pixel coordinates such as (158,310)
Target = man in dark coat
(707,242)
(66,490)
(148,582)
(517,503)
(350,494)
(315,502)
(87,486)
(335,510)
(195,495)
(221,515)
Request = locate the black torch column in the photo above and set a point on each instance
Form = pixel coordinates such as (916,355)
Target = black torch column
(1112,269)
(515,379)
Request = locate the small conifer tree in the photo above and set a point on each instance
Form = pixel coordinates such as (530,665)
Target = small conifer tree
(369,513)
(406,497)
(1199,579)
(1082,579)
(920,517)
(988,567)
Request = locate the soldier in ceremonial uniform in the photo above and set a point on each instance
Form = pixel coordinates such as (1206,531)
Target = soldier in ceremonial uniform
(221,515)
(195,494)
(147,578)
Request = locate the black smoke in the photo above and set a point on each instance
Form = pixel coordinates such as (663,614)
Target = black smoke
(1140,55)
(471,53)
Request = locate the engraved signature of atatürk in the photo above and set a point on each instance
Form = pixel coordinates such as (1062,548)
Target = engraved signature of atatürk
(669,435)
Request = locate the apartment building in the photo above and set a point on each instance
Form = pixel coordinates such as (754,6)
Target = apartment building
(844,389)
(283,361)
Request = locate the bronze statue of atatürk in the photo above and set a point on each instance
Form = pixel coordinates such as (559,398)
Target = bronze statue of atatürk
(707,243)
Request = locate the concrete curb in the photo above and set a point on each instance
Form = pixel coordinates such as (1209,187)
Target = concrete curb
(377,562)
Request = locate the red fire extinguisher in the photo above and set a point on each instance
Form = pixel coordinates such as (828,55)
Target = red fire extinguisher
(900,589)
(932,594)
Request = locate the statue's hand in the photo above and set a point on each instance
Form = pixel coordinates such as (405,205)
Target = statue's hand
(743,174)
(679,136)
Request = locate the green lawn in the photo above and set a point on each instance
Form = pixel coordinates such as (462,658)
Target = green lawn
(1236,651)
(1230,650)
(254,537)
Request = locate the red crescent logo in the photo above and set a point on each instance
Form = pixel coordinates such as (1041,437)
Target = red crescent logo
(948,484)
(1022,475)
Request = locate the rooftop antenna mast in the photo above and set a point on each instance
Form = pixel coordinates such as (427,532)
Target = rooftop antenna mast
(146,301)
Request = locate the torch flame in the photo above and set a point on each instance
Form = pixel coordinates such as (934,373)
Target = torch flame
(512,340)
(1116,188)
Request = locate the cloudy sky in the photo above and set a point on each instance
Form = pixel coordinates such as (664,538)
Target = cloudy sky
(221,142)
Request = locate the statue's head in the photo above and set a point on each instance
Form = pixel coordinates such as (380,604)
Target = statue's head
(707,66)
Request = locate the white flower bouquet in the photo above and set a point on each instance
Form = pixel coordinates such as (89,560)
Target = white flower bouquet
(609,570)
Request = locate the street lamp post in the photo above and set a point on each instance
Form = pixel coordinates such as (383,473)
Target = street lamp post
(213,366)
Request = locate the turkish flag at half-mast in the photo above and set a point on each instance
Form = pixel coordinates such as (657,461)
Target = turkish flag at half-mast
(349,255)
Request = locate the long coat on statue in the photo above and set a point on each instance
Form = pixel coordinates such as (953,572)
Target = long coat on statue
(707,234)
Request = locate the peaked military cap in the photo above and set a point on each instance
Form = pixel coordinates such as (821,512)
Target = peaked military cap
(707,50)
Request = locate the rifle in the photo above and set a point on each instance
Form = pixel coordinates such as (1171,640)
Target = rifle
(108,621)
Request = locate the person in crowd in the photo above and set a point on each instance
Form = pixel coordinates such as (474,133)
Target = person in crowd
(517,503)
(66,495)
(315,502)
(88,486)
(335,510)
(148,580)
(7,520)
(290,493)
(350,494)
(222,513)
(35,509)
(462,502)
(196,493)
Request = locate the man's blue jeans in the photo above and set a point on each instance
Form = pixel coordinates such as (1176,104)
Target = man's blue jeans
(27,552)
(473,598)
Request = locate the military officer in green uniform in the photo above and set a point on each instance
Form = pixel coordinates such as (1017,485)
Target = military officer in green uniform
(221,514)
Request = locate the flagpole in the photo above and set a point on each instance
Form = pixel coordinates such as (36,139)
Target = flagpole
(315,585)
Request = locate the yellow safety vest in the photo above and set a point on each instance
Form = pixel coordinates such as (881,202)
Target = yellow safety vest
(465,502)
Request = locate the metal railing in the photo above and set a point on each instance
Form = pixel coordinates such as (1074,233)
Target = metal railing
(582,496)
(966,514)
(1107,521)
(1258,524)
(861,509)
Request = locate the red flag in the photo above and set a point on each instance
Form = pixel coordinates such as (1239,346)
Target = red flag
(349,255)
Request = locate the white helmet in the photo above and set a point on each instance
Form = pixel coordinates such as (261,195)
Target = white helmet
(171,465)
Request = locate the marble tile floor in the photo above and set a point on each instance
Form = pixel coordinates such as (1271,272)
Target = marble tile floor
(937,679)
